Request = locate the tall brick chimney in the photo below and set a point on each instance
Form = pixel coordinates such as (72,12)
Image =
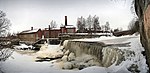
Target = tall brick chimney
(65,20)
(49,28)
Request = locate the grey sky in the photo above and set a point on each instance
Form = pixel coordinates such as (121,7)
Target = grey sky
(38,13)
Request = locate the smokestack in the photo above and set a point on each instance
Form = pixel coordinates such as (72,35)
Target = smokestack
(65,20)
(49,28)
(31,28)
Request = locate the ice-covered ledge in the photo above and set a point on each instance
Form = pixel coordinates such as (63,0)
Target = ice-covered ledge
(106,55)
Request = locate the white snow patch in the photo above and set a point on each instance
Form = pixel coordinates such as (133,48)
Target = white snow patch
(23,46)
(50,51)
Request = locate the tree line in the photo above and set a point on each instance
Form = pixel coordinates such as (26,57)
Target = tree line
(91,24)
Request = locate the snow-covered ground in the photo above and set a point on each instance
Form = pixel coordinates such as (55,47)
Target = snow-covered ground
(23,47)
(22,63)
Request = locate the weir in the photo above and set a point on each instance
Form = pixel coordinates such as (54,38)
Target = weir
(106,55)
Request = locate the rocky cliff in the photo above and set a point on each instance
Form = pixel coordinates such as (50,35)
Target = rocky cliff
(142,9)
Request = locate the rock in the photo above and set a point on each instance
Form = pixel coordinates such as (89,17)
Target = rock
(93,63)
(68,65)
(64,50)
(65,43)
(71,57)
(67,52)
(81,67)
(134,68)
(44,47)
(65,58)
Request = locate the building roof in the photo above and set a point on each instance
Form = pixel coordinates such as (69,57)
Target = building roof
(51,29)
(29,31)
(68,26)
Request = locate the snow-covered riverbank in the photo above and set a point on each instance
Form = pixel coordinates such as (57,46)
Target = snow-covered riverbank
(25,63)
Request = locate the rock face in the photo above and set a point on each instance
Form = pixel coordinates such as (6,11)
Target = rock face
(147,32)
(142,9)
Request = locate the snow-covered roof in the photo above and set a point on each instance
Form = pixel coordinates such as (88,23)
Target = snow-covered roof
(30,31)
(51,29)
(55,28)
(69,26)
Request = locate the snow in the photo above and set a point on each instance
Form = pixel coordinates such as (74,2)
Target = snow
(108,39)
(30,31)
(133,55)
(69,26)
(23,63)
(136,58)
(23,46)
(88,34)
(50,51)
(55,28)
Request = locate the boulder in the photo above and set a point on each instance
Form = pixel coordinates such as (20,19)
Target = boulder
(65,58)
(68,65)
(67,52)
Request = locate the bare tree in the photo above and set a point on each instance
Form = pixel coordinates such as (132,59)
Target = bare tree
(107,26)
(4,26)
(53,24)
(96,25)
(4,23)
(89,23)
(81,24)
(134,25)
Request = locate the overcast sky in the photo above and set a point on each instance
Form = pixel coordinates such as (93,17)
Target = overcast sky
(25,14)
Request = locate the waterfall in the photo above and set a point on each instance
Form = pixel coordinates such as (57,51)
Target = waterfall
(105,55)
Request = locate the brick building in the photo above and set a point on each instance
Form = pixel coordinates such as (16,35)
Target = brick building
(30,35)
(36,34)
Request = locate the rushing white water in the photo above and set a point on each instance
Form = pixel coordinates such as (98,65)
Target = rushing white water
(105,55)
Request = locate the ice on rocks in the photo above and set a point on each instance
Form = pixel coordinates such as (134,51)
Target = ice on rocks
(65,58)
(71,57)
(67,52)
(50,51)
